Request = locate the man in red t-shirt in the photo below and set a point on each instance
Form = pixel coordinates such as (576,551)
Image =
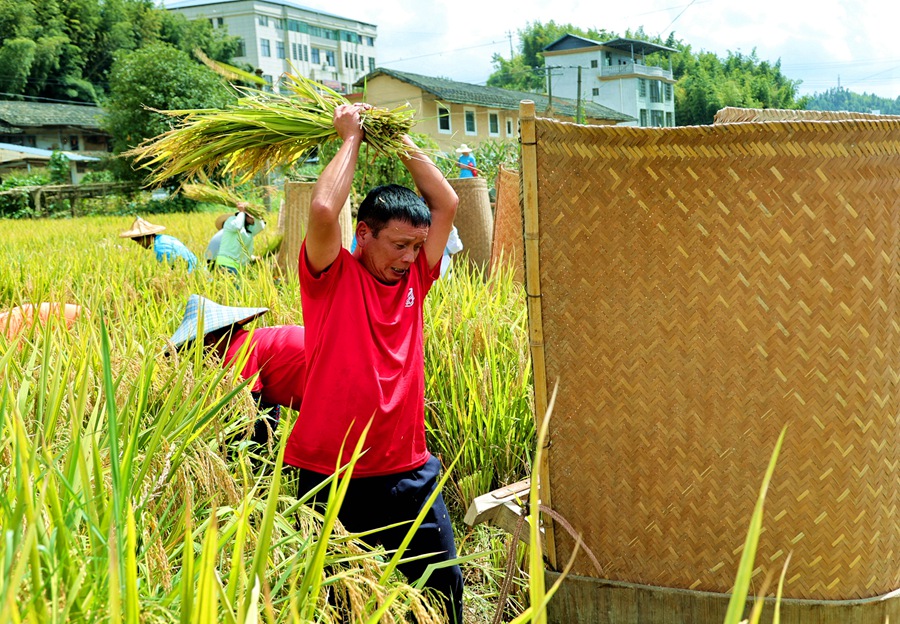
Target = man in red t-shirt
(365,360)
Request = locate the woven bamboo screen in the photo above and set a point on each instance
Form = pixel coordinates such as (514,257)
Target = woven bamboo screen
(731,114)
(293,219)
(507,245)
(474,219)
(701,288)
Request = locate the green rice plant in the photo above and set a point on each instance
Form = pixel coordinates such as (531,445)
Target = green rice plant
(478,385)
(260,131)
(213,193)
(738,601)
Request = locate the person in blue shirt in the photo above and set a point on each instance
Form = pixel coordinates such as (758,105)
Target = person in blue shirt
(167,248)
(466,162)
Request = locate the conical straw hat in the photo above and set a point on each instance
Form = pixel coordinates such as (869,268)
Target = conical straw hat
(140,227)
(214,315)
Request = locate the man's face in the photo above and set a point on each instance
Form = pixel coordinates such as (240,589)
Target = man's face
(389,255)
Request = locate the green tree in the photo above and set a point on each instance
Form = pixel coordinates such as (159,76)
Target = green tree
(178,82)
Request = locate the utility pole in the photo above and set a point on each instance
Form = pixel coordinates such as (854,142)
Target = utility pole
(578,113)
(509,34)
(549,88)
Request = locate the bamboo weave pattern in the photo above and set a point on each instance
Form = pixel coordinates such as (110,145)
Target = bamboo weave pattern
(508,239)
(293,221)
(731,114)
(701,288)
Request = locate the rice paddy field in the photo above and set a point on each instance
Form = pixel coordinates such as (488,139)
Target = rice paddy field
(128,491)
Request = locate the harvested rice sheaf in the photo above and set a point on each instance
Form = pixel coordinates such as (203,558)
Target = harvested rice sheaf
(261,131)
(217,194)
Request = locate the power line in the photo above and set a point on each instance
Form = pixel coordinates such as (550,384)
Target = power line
(46,99)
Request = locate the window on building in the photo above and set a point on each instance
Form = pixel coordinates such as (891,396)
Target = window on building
(655,91)
(670,120)
(241,48)
(294,52)
(656,118)
(494,124)
(595,91)
(73,142)
(346,60)
(329,57)
(594,64)
(268,79)
(265,47)
(443,114)
(371,63)
(305,52)
(668,92)
(263,20)
(643,118)
(642,88)
(509,127)
(279,49)
(315,56)
(220,22)
(471,128)
(370,41)
(278,23)
(359,61)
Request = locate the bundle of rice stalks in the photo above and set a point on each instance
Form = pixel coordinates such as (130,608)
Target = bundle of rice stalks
(213,193)
(262,130)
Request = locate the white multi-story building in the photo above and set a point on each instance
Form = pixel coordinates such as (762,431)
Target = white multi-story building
(614,74)
(279,36)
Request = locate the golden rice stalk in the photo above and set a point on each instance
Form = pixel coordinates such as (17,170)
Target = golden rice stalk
(217,194)
(261,131)
(229,72)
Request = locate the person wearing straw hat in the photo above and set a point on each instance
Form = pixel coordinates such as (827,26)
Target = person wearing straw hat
(363,314)
(212,248)
(466,162)
(236,246)
(167,248)
(277,354)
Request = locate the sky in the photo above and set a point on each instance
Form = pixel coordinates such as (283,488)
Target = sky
(824,43)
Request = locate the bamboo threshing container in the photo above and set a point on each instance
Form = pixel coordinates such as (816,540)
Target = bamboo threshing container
(694,290)
(474,219)
(507,243)
(293,221)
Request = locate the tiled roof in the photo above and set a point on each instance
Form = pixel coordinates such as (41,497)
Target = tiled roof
(454,92)
(38,114)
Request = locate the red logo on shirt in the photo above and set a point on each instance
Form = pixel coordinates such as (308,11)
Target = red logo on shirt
(410,298)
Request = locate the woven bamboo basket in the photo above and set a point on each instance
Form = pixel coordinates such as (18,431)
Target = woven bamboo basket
(474,220)
(732,114)
(507,244)
(293,218)
(696,290)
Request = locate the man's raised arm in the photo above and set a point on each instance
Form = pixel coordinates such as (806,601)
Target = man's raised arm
(439,196)
(323,234)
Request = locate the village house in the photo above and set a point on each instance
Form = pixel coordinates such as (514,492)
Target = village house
(616,74)
(452,112)
(31,131)
(280,37)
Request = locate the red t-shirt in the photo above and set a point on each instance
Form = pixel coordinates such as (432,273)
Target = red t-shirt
(279,355)
(365,359)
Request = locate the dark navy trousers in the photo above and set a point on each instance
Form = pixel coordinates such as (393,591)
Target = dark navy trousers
(375,502)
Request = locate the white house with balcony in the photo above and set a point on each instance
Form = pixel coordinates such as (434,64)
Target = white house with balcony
(278,36)
(616,74)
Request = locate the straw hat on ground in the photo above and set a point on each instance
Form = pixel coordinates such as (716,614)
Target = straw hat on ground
(463,149)
(213,317)
(140,227)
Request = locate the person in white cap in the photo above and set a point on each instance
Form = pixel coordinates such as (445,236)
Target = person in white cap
(277,354)
(466,162)
(167,248)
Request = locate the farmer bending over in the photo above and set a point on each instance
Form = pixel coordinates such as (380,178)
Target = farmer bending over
(363,317)
(276,353)
(167,248)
